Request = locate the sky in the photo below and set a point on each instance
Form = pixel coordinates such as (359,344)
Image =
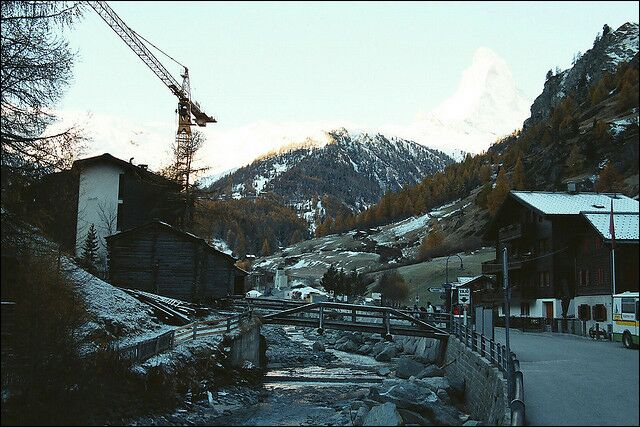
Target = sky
(275,72)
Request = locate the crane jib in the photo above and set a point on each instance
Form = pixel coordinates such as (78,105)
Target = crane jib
(140,49)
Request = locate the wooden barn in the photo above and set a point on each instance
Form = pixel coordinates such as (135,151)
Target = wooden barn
(159,258)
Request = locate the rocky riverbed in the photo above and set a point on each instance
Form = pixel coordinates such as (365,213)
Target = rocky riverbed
(329,379)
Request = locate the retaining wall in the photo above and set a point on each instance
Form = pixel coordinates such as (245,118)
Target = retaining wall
(485,391)
(246,344)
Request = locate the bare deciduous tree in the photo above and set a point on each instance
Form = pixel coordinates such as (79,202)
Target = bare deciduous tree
(36,68)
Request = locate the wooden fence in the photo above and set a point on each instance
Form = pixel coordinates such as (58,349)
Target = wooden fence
(148,348)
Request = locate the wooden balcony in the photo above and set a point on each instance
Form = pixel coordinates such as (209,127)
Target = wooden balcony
(495,266)
(510,232)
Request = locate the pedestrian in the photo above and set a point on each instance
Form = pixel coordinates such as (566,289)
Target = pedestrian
(430,311)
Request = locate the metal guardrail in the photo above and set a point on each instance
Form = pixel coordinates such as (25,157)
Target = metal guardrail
(148,348)
(496,353)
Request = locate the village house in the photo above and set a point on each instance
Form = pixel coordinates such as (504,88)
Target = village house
(159,258)
(560,258)
(115,195)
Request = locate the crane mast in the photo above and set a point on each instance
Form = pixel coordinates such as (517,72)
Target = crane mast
(186,106)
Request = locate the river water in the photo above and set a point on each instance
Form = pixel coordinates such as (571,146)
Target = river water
(300,387)
(310,394)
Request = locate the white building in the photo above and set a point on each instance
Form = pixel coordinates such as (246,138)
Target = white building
(115,195)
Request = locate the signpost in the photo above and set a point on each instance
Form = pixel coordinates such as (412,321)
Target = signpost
(464,298)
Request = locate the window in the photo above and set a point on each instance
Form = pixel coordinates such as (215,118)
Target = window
(119,217)
(524,309)
(121,186)
(585,246)
(628,306)
(544,278)
(600,276)
(583,279)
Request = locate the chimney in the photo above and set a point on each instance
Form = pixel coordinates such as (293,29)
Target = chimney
(571,187)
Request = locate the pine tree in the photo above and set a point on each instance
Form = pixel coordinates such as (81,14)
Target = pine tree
(90,249)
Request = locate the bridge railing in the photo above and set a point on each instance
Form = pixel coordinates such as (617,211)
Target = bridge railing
(143,350)
(358,317)
(496,354)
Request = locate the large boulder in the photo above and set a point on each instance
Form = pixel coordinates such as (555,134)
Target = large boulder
(435,383)
(378,347)
(384,371)
(405,394)
(358,338)
(349,347)
(387,354)
(383,415)
(413,418)
(318,346)
(430,371)
(361,415)
(407,367)
(364,349)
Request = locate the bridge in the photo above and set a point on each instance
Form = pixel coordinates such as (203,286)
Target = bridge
(350,317)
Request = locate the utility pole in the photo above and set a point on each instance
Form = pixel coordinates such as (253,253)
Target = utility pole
(507,312)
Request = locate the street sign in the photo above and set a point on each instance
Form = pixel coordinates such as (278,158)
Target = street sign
(440,290)
(464,295)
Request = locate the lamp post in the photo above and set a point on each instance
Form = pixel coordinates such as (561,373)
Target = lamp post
(449,288)
(447,267)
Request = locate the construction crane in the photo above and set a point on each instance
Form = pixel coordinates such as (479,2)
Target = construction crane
(187,107)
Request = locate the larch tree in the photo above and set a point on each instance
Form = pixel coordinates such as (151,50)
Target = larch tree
(266,248)
(499,192)
(519,176)
(610,180)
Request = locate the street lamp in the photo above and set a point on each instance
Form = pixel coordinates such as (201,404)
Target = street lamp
(447,285)
(447,267)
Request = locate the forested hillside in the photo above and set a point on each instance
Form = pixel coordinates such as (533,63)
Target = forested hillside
(589,136)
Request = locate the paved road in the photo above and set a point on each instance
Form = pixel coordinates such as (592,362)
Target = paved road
(571,380)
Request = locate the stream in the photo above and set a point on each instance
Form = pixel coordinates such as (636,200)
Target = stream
(311,393)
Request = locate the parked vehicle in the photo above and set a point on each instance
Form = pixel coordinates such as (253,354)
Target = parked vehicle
(625,318)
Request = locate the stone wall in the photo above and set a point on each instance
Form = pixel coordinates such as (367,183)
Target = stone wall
(485,388)
(246,344)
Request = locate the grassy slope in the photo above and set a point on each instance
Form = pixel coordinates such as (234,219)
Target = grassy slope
(432,273)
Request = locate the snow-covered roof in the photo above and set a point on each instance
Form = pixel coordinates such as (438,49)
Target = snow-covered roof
(562,203)
(308,290)
(177,231)
(626,224)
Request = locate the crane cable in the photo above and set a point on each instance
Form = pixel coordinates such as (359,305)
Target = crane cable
(156,47)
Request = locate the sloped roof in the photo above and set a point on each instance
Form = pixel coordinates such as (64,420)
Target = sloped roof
(563,203)
(138,170)
(626,224)
(175,230)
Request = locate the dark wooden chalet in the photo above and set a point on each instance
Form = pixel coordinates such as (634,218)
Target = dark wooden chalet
(159,258)
(558,251)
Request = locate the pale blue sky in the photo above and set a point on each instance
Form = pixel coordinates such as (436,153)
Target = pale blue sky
(367,63)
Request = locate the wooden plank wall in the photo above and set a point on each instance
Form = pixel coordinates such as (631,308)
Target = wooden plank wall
(161,261)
